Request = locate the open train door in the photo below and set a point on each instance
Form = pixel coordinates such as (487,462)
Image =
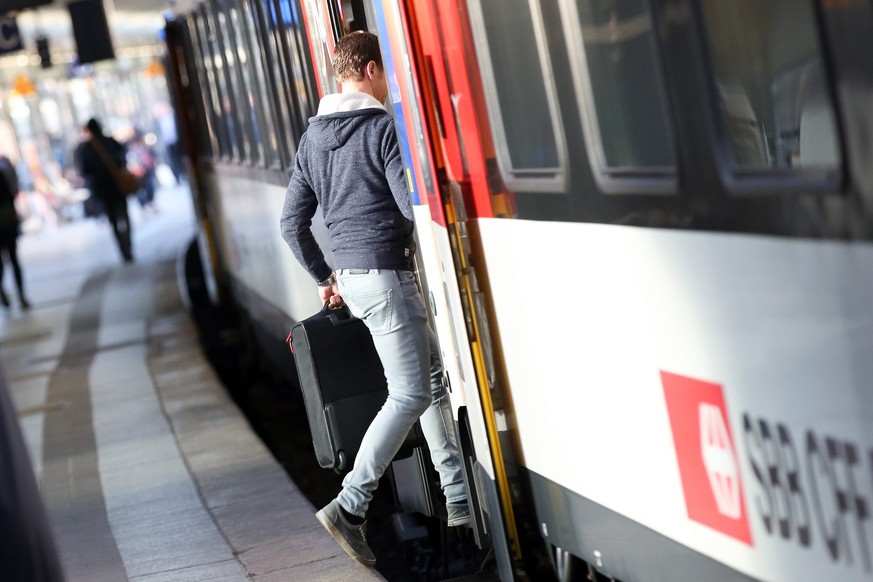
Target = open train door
(433,87)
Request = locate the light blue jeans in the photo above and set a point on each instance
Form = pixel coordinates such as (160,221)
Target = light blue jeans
(389,303)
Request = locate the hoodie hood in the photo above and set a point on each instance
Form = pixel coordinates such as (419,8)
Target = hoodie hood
(339,115)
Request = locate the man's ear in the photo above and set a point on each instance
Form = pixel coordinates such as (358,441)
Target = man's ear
(371,69)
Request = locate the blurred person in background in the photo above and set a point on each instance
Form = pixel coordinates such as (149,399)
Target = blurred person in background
(96,158)
(141,161)
(10,228)
(170,138)
(7,170)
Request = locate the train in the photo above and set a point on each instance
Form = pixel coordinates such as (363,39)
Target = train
(645,233)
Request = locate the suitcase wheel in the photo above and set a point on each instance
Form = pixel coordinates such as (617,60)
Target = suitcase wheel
(342,462)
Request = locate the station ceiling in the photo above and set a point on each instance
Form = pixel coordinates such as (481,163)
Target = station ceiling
(132,23)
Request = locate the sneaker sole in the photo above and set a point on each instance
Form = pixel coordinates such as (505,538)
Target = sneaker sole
(341,541)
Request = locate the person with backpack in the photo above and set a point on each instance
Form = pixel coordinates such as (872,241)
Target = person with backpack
(98,159)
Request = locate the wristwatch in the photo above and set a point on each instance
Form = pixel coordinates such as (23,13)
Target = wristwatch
(327,282)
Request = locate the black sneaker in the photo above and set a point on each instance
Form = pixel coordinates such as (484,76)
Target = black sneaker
(352,538)
(458,513)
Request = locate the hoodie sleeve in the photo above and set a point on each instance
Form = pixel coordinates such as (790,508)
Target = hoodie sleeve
(394,170)
(300,205)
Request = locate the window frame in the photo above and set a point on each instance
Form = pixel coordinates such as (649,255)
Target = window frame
(656,180)
(200,74)
(321,36)
(247,76)
(301,65)
(766,180)
(268,59)
(560,181)
(296,68)
(224,142)
(242,112)
(277,71)
(221,22)
(233,151)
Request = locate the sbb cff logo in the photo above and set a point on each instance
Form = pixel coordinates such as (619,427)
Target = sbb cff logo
(707,457)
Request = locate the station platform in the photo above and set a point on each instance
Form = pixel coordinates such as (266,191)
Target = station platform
(148,470)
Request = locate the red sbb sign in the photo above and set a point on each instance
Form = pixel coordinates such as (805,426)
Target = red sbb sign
(706,454)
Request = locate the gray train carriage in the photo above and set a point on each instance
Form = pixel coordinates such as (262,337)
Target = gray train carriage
(645,237)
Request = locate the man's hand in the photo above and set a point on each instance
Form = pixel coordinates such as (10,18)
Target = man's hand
(331,294)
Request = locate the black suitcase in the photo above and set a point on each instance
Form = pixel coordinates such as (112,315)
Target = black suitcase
(342,380)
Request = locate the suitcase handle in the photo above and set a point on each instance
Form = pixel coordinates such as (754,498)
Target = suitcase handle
(337,315)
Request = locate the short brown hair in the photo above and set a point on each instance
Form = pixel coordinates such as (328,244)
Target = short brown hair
(353,52)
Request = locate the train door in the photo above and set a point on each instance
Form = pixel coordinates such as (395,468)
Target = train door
(450,150)
(442,243)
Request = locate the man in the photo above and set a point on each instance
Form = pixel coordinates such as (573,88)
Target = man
(349,163)
(10,228)
(7,170)
(97,158)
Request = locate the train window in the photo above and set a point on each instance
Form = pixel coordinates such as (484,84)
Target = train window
(322,43)
(239,110)
(355,15)
(205,84)
(520,92)
(290,70)
(770,84)
(226,108)
(277,57)
(620,91)
(274,116)
(253,109)
(293,37)
(217,100)
(403,64)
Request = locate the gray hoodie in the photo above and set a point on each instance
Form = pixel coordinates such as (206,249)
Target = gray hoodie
(349,163)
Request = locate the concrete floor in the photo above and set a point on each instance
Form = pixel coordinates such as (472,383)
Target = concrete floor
(148,470)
